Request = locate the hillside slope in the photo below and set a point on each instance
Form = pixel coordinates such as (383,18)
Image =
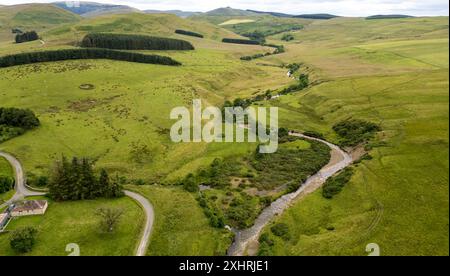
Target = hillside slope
(37,17)
(91,9)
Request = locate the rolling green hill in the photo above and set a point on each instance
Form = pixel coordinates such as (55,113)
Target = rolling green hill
(229,12)
(92,9)
(393,72)
(39,17)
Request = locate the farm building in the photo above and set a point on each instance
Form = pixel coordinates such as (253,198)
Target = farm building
(30,208)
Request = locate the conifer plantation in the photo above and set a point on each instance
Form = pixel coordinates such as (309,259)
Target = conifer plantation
(71,54)
(133,42)
(26,37)
(76,180)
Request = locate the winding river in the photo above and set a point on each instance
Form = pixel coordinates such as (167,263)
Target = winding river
(245,238)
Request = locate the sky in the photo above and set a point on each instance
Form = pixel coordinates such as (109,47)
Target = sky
(338,7)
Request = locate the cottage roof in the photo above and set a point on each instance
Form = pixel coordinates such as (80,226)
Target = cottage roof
(30,205)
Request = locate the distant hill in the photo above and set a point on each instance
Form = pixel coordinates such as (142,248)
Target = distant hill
(34,16)
(229,12)
(91,9)
(323,16)
(138,23)
(276,14)
(182,14)
(388,16)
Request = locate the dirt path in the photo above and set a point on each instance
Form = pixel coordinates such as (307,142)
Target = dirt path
(247,238)
(149,219)
(22,192)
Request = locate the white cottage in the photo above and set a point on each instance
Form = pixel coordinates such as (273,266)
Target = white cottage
(30,208)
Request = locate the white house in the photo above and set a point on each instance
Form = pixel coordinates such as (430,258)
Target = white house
(30,208)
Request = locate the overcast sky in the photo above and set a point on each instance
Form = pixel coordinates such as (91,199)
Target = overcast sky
(339,7)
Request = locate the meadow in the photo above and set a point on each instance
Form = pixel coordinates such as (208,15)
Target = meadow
(393,72)
(181,228)
(399,199)
(77,222)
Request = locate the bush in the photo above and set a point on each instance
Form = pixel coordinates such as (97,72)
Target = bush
(256,36)
(133,42)
(303,82)
(240,41)
(23,239)
(287,37)
(15,117)
(71,54)
(354,132)
(39,181)
(25,37)
(189,33)
(190,185)
(16,31)
(6,184)
(334,185)
(314,134)
(281,230)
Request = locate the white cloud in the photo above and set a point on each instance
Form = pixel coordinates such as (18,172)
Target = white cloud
(340,7)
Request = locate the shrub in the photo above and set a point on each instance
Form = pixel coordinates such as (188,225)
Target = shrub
(303,82)
(71,54)
(334,185)
(190,184)
(256,36)
(37,181)
(23,239)
(133,42)
(6,184)
(287,37)
(281,230)
(15,117)
(189,33)
(354,132)
(240,41)
(25,37)
(314,134)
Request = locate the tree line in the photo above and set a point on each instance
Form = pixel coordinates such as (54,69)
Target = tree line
(189,33)
(278,50)
(27,36)
(240,41)
(70,54)
(76,180)
(16,117)
(133,42)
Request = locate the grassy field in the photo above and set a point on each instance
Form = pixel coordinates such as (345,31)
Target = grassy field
(391,72)
(181,228)
(27,17)
(399,199)
(266,24)
(76,222)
